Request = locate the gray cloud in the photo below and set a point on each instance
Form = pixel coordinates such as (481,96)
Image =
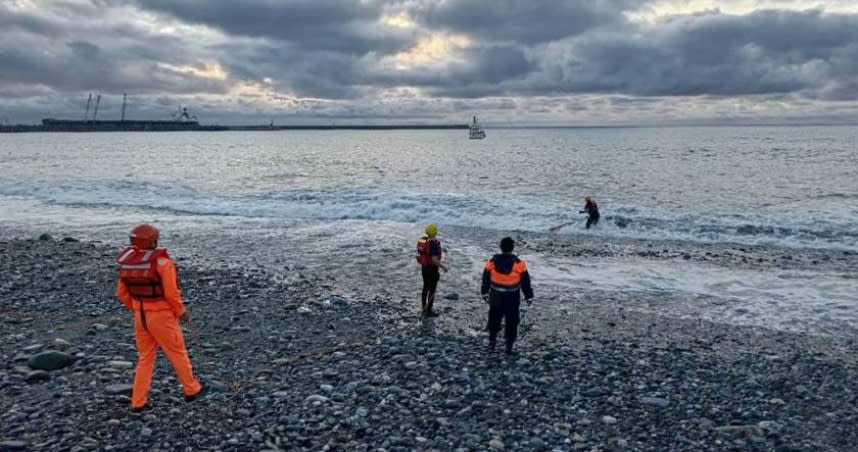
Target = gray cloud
(342,26)
(522,21)
(523,56)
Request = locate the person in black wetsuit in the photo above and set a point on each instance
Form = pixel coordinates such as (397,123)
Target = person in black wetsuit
(504,278)
(592,210)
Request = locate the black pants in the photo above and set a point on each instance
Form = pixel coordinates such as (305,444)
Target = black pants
(592,220)
(431,275)
(498,310)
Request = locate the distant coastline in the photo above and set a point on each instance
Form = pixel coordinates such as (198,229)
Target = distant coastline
(55,125)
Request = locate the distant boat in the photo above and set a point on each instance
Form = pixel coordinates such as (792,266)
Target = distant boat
(475,130)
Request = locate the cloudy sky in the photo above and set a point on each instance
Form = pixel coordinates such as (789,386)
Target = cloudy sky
(575,62)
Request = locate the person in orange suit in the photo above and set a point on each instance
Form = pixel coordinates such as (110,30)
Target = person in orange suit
(148,286)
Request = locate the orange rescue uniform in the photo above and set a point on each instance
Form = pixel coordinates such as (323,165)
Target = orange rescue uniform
(156,325)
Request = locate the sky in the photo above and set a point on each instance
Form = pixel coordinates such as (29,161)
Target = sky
(512,62)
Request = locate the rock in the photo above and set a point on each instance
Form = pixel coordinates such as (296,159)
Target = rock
(32,348)
(361,412)
(326,388)
(121,364)
(609,420)
(50,360)
(316,398)
(452,296)
(146,432)
(411,365)
(654,401)
(216,386)
(743,431)
(61,344)
(595,392)
(70,240)
(11,444)
(281,394)
(304,310)
(536,443)
(118,389)
(496,444)
(578,438)
(45,238)
(36,376)
(98,327)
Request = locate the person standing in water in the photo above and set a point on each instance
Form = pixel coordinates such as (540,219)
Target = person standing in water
(592,210)
(429,258)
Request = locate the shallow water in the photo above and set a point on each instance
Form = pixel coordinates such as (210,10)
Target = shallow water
(352,201)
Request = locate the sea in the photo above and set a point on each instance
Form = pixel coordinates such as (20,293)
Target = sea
(792,188)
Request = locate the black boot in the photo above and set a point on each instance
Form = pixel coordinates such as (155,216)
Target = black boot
(509,349)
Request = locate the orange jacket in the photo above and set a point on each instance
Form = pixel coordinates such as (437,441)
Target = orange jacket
(172,295)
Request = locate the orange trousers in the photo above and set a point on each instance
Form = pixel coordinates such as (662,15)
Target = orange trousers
(162,331)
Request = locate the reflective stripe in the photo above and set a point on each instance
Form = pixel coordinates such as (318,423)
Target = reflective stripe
(124,255)
(147,255)
(135,266)
(505,289)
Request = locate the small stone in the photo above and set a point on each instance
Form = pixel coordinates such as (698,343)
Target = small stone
(326,388)
(99,326)
(361,412)
(316,398)
(36,376)
(45,238)
(411,365)
(452,296)
(243,412)
(146,432)
(537,443)
(436,387)
(118,389)
(496,444)
(609,420)
(280,394)
(304,310)
(14,445)
(50,360)
(121,364)
(217,386)
(654,401)
(70,240)
(61,344)
(578,438)
(32,348)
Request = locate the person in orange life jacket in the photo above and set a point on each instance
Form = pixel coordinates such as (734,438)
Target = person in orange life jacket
(429,258)
(592,210)
(504,278)
(148,286)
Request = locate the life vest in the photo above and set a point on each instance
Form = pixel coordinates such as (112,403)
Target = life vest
(138,269)
(424,250)
(506,282)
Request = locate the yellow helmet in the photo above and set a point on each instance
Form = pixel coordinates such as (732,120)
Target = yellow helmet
(432,229)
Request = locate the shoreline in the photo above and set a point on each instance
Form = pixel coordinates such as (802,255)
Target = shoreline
(600,377)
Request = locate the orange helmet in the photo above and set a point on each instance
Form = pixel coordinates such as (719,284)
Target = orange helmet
(144,236)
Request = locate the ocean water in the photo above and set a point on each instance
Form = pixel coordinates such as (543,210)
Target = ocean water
(792,187)
(787,186)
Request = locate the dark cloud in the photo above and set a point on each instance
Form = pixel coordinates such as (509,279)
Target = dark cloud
(332,58)
(523,21)
(342,26)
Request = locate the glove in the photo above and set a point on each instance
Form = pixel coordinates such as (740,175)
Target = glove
(529,301)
